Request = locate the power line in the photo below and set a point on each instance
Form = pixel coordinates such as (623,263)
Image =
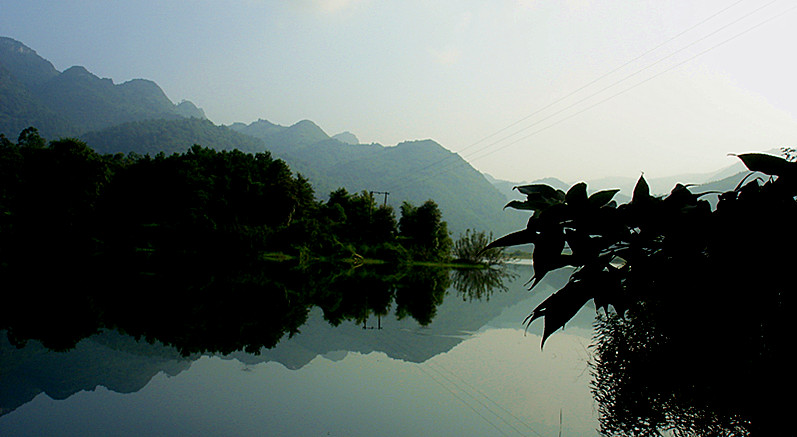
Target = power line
(397,344)
(640,83)
(598,79)
(605,75)
(454,394)
(612,85)
(457,164)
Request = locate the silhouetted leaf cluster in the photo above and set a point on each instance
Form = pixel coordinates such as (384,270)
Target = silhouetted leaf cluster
(700,297)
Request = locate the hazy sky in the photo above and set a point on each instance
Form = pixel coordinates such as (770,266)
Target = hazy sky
(460,71)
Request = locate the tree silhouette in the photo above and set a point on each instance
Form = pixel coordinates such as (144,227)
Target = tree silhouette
(674,271)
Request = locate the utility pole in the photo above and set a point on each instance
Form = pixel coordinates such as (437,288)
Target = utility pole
(381,192)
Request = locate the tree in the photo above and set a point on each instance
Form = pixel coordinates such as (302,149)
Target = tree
(471,248)
(30,138)
(424,231)
(674,270)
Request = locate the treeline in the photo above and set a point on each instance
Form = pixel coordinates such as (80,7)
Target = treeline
(63,200)
(170,246)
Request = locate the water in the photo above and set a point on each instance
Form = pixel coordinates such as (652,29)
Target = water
(472,372)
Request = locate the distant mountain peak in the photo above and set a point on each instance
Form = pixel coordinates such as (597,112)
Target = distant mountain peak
(73,101)
(307,124)
(346,137)
(188,109)
(263,121)
(24,63)
(304,133)
(11,44)
(77,70)
(421,144)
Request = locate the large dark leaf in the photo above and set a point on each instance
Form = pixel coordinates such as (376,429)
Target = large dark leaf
(577,194)
(532,203)
(680,197)
(547,255)
(768,164)
(542,190)
(517,204)
(641,191)
(525,236)
(602,198)
(560,307)
(608,290)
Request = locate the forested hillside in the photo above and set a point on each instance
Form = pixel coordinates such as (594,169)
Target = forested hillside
(136,116)
(413,170)
(34,93)
(406,171)
(169,136)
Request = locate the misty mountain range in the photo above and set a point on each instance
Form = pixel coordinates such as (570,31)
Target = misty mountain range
(137,116)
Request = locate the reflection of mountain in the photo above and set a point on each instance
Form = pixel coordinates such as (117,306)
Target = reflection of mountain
(455,320)
(111,360)
(124,365)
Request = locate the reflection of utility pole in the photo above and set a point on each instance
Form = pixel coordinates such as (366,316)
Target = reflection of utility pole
(366,312)
(378,322)
(378,316)
(381,192)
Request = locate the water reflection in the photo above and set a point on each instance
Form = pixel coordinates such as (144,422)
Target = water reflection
(481,283)
(254,315)
(463,374)
(232,310)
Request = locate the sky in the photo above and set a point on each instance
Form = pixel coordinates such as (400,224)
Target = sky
(522,89)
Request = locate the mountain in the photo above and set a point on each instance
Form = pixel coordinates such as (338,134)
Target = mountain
(34,93)
(464,196)
(19,108)
(137,116)
(24,63)
(188,110)
(282,138)
(346,137)
(413,171)
(169,136)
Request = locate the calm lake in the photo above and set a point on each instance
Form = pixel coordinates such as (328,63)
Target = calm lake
(473,371)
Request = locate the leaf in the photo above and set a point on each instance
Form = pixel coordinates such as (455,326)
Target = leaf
(602,198)
(680,196)
(532,203)
(641,191)
(768,164)
(547,254)
(517,204)
(546,191)
(525,236)
(559,308)
(577,194)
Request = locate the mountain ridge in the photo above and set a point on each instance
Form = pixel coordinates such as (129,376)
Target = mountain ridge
(34,92)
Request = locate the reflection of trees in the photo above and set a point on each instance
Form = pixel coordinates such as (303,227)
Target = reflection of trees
(172,248)
(214,305)
(645,382)
(480,283)
(420,292)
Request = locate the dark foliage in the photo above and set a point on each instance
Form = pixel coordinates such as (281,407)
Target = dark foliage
(676,272)
(173,247)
